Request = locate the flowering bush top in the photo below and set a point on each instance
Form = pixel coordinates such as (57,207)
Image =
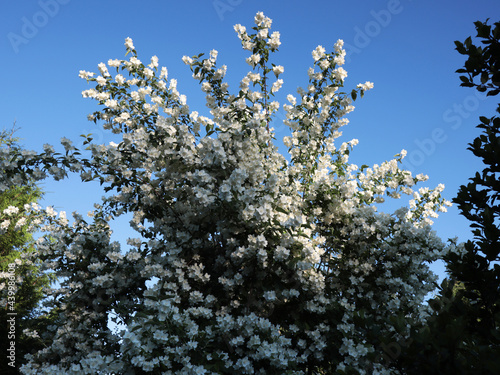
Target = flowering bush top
(246,261)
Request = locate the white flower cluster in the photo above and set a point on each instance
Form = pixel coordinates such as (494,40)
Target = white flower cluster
(250,41)
(26,218)
(246,261)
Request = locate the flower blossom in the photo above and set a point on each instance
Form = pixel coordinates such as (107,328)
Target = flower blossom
(129,44)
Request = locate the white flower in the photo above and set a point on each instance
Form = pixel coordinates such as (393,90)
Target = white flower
(240,29)
(164,73)
(263,33)
(338,46)
(148,73)
(5,224)
(114,63)
(187,60)
(124,116)
(11,210)
(120,79)
(324,64)
(115,256)
(129,44)
(248,46)
(154,62)
(134,95)
(339,60)
(221,72)
(85,75)
(111,103)
(318,53)
(278,69)
(50,211)
(259,18)
(101,81)
(270,295)
(103,69)
(254,77)
(274,106)
(340,74)
(135,61)
(34,334)
(213,55)
(208,64)
(20,223)
(291,99)
(274,41)
(276,85)
(365,86)
(206,87)
(253,60)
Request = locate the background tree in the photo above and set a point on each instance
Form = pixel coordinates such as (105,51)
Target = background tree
(17,247)
(479,201)
(462,336)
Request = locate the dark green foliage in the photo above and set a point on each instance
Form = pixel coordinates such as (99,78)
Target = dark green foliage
(482,61)
(448,343)
(478,201)
(462,335)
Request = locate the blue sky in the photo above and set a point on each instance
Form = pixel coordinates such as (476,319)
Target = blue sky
(405,47)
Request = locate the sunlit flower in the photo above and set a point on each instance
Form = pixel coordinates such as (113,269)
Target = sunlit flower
(129,44)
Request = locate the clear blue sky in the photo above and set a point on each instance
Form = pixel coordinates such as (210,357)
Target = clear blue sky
(405,47)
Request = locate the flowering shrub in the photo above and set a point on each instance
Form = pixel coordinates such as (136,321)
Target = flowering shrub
(245,261)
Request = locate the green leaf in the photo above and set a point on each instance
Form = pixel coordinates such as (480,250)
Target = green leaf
(484,120)
(282,210)
(484,77)
(496,31)
(483,30)
(468,42)
(464,79)
(460,48)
